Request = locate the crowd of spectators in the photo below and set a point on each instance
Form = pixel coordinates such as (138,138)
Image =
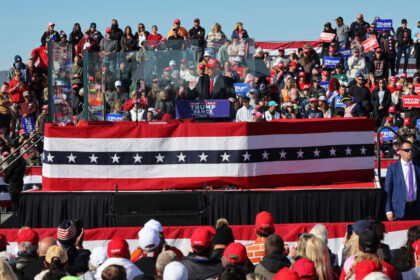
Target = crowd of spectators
(214,254)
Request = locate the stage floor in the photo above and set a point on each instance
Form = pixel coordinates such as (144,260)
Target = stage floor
(202,207)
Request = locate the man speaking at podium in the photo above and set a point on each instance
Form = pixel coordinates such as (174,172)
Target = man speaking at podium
(214,85)
(402,177)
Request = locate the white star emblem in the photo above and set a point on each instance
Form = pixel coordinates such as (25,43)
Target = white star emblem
(203,157)
(181,157)
(50,157)
(93,158)
(137,158)
(265,155)
(316,152)
(283,154)
(300,153)
(115,158)
(225,157)
(332,151)
(348,151)
(159,158)
(72,158)
(247,156)
(363,150)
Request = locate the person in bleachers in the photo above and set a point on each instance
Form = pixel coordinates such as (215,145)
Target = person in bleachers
(50,34)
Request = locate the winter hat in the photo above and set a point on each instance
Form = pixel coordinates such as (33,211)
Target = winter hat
(223,235)
(175,271)
(66,232)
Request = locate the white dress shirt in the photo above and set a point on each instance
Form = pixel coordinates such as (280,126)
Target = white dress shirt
(405,172)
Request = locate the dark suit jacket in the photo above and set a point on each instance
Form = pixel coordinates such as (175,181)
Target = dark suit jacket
(395,189)
(222,89)
(386,101)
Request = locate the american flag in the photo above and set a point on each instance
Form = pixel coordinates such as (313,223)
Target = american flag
(187,155)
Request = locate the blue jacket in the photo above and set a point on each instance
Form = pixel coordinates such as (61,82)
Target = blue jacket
(395,189)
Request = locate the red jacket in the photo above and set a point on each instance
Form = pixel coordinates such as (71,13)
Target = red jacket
(29,108)
(17,95)
(84,43)
(41,55)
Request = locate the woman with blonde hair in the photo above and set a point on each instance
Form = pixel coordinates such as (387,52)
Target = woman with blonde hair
(239,32)
(317,251)
(6,272)
(216,37)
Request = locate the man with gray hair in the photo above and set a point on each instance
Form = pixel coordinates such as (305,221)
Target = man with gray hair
(27,240)
(162,261)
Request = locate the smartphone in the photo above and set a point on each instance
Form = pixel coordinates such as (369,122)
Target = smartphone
(349,230)
(79,226)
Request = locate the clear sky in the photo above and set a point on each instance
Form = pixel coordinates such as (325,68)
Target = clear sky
(23,22)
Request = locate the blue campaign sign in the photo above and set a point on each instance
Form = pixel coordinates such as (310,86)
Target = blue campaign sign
(345,53)
(324,85)
(383,24)
(202,109)
(242,88)
(114,117)
(331,62)
(387,135)
(28,124)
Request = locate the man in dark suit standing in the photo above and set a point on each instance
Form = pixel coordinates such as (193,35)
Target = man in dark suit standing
(402,177)
(214,85)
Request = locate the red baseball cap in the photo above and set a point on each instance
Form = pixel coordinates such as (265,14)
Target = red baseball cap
(3,241)
(306,86)
(28,235)
(392,109)
(184,60)
(302,74)
(293,63)
(306,50)
(280,65)
(313,99)
(416,247)
(407,121)
(404,75)
(364,268)
(22,131)
(331,49)
(235,253)
(203,237)
(264,221)
(399,87)
(108,30)
(324,73)
(389,119)
(117,246)
(305,268)
(167,69)
(393,78)
(213,63)
(176,21)
(286,274)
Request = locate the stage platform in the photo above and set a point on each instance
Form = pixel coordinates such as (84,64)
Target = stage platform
(201,207)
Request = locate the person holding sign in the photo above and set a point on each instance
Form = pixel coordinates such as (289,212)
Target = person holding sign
(326,45)
(336,106)
(404,41)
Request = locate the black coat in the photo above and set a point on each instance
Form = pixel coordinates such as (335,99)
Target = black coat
(147,265)
(14,175)
(202,269)
(386,101)
(222,89)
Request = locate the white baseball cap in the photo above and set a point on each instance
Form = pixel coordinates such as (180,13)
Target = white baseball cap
(149,239)
(153,224)
(118,83)
(98,256)
(175,271)
(172,62)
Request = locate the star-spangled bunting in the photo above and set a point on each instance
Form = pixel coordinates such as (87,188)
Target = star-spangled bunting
(209,157)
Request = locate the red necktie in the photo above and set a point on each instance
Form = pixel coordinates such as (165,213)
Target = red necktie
(211,84)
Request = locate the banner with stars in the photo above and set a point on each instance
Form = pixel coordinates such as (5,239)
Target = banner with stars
(188,155)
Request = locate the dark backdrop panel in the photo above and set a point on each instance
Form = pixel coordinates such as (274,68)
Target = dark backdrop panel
(49,209)
(303,206)
(198,208)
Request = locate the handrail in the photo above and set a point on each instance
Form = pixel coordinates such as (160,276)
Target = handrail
(21,154)
(378,146)
(18,148)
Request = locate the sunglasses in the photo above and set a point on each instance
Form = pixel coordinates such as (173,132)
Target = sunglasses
(313,101)
(410,88)
(406,150)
